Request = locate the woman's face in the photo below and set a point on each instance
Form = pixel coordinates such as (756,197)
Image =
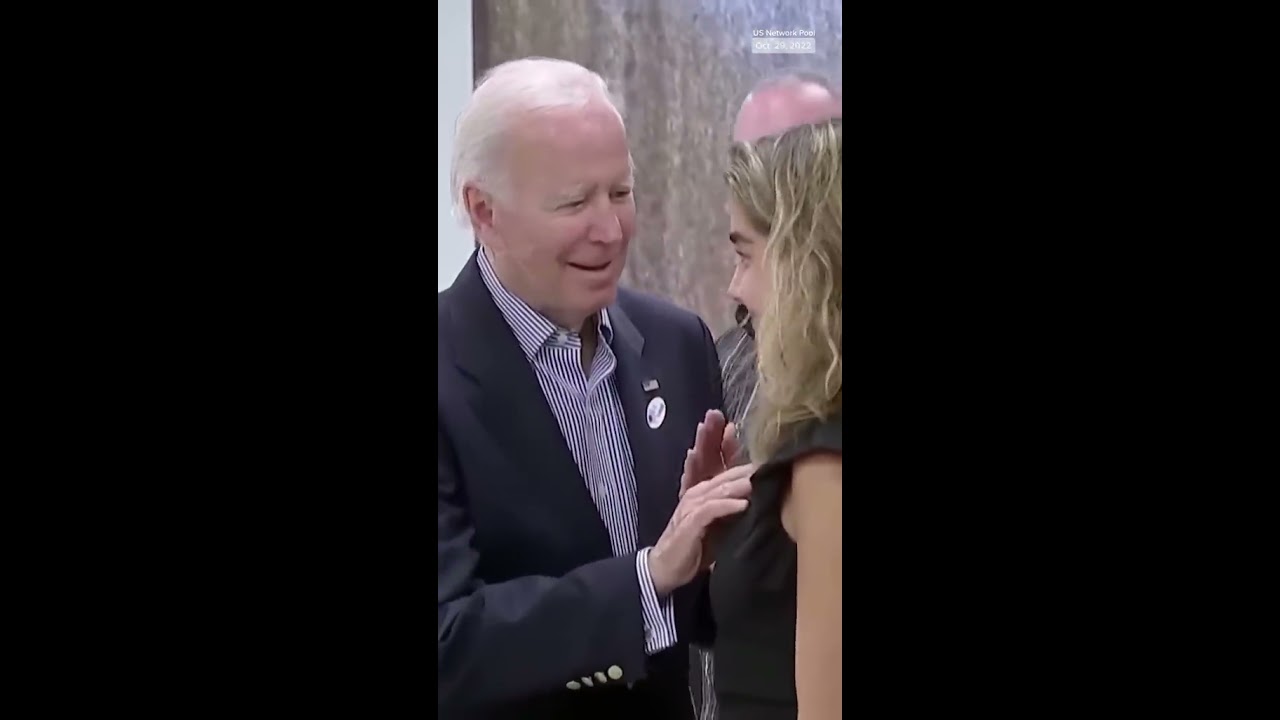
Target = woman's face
(750,283)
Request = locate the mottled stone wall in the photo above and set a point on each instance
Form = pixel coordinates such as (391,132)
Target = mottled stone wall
(679,69)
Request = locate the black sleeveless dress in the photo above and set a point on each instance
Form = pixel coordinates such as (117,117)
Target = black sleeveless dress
(753,592)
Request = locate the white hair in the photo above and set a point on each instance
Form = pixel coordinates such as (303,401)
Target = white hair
(505,94)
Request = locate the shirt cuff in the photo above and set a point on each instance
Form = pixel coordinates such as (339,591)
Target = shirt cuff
(659,616)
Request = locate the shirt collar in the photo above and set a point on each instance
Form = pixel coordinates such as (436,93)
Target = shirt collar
(532,329)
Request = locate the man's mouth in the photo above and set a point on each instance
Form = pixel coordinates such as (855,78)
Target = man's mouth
(589,268)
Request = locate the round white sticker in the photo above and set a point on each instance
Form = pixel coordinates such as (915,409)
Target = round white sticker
(656,413)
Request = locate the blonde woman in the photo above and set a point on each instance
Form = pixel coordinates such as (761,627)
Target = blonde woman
(776,592)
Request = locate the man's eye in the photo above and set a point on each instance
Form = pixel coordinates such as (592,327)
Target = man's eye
(574,204)
(622,193)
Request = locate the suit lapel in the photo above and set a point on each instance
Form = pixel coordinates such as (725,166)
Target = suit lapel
(653,494)
(513,408)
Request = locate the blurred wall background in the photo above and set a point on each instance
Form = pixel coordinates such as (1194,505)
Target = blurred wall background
(455,84)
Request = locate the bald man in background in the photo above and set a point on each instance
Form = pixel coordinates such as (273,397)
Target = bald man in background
(773,106)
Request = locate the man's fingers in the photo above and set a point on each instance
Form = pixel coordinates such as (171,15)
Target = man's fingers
(707,455)
(741,472)
(733,473)
(712,510)
(714,426)
(712,487)
(711,427)
(706,443)
(739,488)
(688,477)
(729,444)
(701,448)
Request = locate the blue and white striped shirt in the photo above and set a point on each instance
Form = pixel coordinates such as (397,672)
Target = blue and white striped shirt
(589,410)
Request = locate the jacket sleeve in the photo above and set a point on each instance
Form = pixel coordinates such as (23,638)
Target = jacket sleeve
(512,641)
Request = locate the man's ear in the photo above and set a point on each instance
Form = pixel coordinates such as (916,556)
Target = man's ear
(479,206)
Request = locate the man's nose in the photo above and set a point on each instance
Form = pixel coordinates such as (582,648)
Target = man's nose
(606,228)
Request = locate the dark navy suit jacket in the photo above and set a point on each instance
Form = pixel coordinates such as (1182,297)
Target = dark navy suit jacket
(530,597)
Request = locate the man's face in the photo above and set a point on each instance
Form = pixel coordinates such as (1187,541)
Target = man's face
(559,232)
(750,284)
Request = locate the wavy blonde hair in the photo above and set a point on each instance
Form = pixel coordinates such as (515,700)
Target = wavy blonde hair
(789,187)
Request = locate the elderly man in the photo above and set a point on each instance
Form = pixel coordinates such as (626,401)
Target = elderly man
(569,561)
(774,105)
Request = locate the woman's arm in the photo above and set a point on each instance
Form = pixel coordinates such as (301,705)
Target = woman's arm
(815,508)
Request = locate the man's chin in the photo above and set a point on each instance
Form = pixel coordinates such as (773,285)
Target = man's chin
(597,297)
